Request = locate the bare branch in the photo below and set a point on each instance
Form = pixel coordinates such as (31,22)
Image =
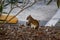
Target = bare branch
(25,3)
(22,10)
(8,14)
(18,12)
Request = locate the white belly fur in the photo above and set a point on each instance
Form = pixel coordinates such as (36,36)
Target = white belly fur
(33,26)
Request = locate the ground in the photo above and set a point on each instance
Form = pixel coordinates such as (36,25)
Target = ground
(14,32)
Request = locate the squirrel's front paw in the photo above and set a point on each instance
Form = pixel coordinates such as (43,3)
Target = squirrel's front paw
(27,24)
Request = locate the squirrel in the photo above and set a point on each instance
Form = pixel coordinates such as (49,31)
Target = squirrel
(33,23)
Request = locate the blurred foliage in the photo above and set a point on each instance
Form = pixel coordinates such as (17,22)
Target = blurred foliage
(57,2)
(12,1)
(1,7)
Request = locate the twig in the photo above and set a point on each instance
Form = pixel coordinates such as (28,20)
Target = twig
(21,11)
(17,13)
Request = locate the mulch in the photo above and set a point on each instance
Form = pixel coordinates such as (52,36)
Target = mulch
(8,32)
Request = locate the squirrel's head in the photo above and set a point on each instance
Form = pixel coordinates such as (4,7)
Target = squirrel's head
(29,17)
